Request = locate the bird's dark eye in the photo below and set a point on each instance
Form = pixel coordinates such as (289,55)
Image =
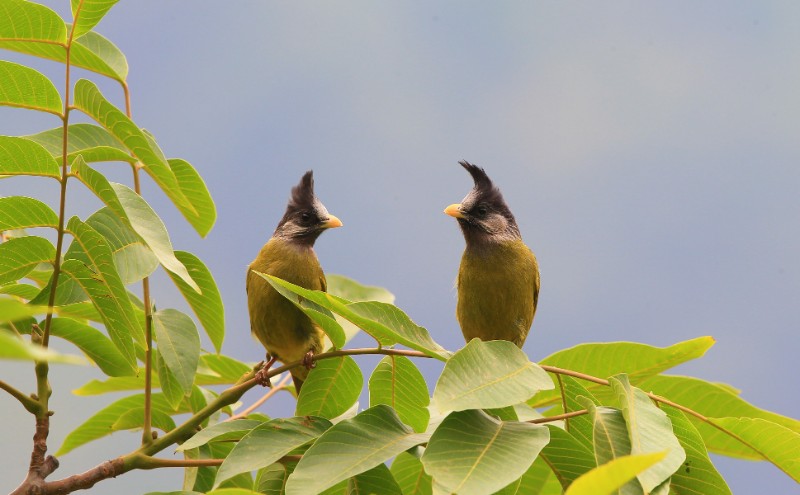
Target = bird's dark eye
(481,211)
(305,217)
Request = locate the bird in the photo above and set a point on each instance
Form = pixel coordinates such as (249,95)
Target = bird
(498,278)
(283,329)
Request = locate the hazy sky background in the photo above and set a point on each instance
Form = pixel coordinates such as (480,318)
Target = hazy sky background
(649,152)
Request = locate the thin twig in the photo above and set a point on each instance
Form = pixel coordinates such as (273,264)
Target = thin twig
(558,417)
(274,390)
(147,433)
(563,399)
(663,400)
(147,462)
(31,405)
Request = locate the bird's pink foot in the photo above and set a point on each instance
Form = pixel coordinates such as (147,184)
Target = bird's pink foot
(262,376)
(308,360)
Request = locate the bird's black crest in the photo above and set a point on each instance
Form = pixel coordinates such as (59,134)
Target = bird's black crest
(303,193)
(486,190)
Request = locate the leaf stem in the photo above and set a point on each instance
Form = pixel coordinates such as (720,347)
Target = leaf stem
(147,433)
(559,417)
(148,462)
(31,405)
(563,400)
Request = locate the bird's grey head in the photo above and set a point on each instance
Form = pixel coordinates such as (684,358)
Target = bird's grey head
(306,217)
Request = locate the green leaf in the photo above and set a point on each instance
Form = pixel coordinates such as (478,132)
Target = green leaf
(490,374)
(20,255)
(698,474)
(349,289)
(19,212)
(639,361)
(269,442)
(611,440)
(178,344)
(775,443)
(134,418)
(102,423)
(25,291)
(149,226)
(714,400)
(91,51)
(221,450)
(537,480)
(378,480)
(89,100)
(23,87)
(232,491)
(20,156)
(225,367)
(115,384)
(567,456)
(606,479)
(90,141)
(12,347)
(650,431)
(98,184)
(215,370)
(94,344)
(32,22)
(331,388)
(318,314)
(87,13)
(411,476)
(98,54)
(206,304)
(272,479)
(100,280)
(167,381)
(203,213)
(396,382)
(351,447)
(220,432)
(133,259)
(579,427)
(387,323)
(473,453)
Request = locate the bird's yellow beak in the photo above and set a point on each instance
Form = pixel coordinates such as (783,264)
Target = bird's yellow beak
(454,210)
(332,222)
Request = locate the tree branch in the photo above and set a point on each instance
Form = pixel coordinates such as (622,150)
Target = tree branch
(233,394)
(274,390)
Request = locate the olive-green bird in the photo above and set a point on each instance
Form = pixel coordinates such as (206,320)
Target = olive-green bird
(285,331)
(498,280)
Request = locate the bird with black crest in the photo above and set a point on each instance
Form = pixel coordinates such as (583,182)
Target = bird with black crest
(498,279)
(285,331)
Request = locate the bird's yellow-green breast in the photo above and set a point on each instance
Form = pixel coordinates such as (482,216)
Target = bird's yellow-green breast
(285,331)
(498,289)
(279,325)
(498,280)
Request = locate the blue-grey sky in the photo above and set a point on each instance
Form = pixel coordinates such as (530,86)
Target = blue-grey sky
(649,152)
